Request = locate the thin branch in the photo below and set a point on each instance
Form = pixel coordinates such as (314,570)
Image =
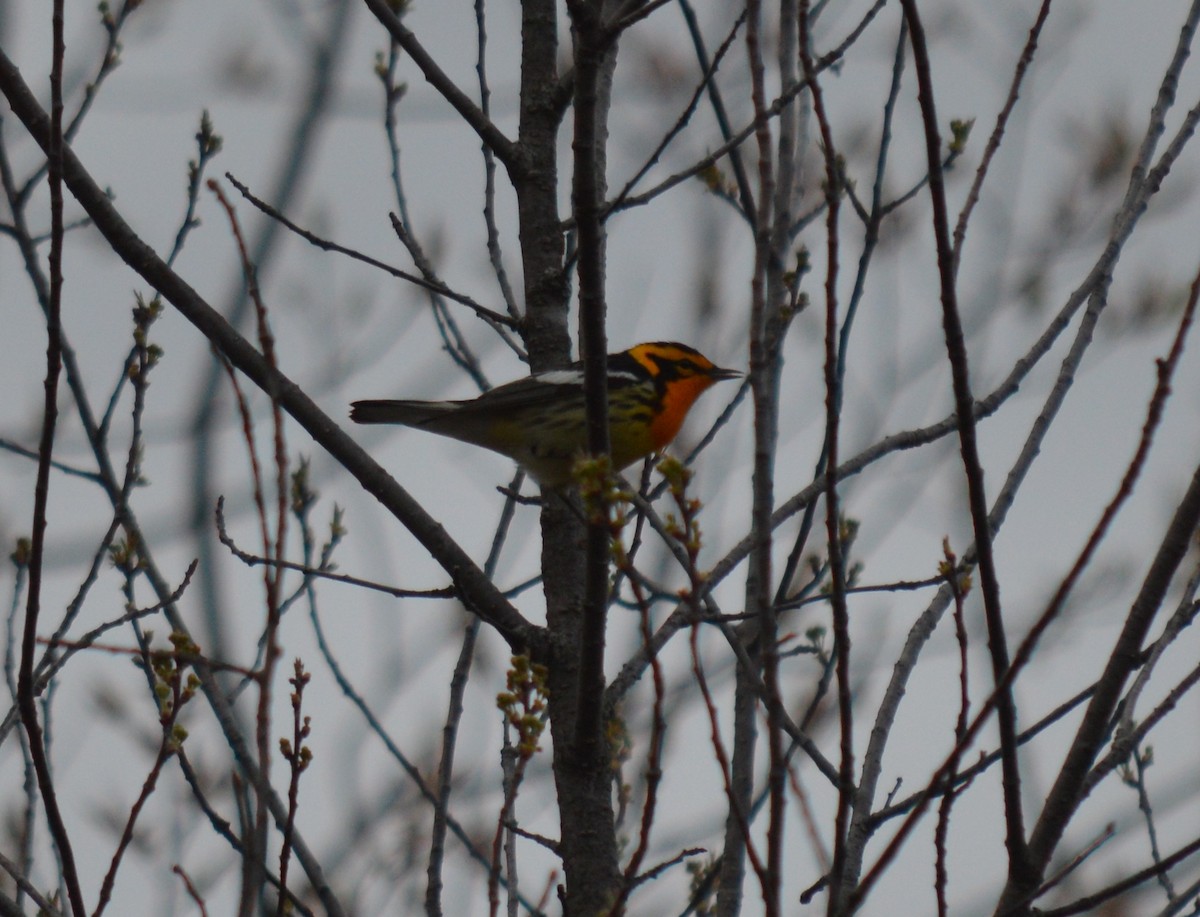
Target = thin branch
(654,773)
(895,808)
(722,756)
(16,448)
(255,560)
(479,592)
(833,521)
(22,882)
(193,893)
(1074,863)
(489,315)
(1091,903)
(1066,794)
(495,255)
(873,223)
(26,701)
(707,83)
(942,830)
(110,59)
(1018,856)
(170,705)
(458,687)
(456,345)
(411,770)
(499,144)
(147,565)
(997,135)
(1141,761)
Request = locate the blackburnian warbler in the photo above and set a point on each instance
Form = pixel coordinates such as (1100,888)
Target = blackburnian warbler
(540,422)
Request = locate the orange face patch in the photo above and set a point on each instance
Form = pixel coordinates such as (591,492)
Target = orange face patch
(678,398)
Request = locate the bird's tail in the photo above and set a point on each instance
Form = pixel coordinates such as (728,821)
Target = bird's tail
(408,413)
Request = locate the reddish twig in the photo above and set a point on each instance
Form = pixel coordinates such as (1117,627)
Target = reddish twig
(167,670)
(298,756)
(189,656)
(191,889)
(272,575)
(958,589)
(723,756)
(26,700)
(690,538)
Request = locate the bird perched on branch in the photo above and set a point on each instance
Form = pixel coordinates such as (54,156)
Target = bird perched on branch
(540,420)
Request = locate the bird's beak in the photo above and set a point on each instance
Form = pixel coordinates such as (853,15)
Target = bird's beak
(718,373)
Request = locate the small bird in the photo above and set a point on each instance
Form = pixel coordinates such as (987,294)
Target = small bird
(539,421)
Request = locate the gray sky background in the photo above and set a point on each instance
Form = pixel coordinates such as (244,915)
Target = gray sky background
(347,332)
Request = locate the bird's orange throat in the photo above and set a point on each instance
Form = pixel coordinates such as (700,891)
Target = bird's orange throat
(678,399)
